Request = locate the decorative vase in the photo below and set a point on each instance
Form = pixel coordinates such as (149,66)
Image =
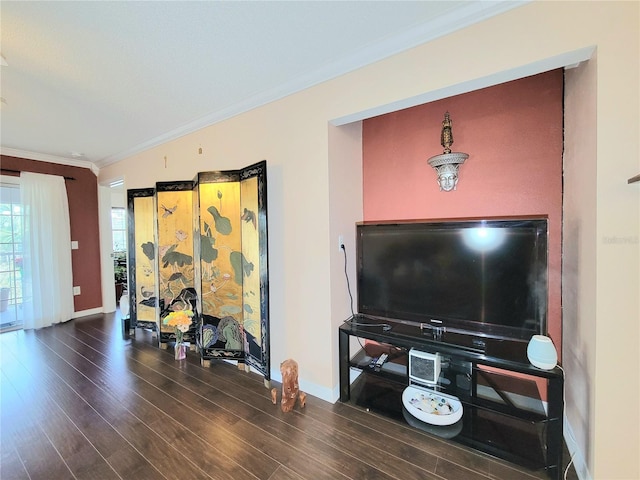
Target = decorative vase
(180,351)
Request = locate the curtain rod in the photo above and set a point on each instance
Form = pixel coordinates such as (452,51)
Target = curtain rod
(19,171)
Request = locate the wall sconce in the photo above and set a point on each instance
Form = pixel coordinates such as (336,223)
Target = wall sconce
(448,162)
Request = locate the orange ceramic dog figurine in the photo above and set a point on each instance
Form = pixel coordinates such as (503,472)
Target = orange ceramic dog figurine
(290,389)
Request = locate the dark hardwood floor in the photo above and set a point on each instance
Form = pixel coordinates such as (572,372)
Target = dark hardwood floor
(79,401)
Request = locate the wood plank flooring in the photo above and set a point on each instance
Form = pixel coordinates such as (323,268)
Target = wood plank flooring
(80,401)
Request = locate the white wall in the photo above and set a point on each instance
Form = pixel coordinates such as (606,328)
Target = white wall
(118,197)
(304,173)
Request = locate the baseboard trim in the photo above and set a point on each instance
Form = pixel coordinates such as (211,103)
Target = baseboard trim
(310,388)
(323,393)
(84,313)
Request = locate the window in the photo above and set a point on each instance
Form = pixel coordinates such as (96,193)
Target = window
(119,229)
(11,217)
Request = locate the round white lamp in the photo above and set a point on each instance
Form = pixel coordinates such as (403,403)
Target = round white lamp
(541,352)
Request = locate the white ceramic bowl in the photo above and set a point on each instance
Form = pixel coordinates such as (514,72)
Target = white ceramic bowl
(430,406)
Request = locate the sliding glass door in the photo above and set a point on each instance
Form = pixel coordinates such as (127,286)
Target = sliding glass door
(11,217)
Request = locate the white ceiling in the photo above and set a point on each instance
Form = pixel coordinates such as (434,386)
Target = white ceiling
(98,81)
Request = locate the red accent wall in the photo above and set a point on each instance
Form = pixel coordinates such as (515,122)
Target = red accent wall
(513,134)
(82,194)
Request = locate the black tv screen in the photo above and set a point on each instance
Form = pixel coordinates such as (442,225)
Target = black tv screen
(486,277)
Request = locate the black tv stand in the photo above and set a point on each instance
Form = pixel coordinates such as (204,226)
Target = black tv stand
(495,420)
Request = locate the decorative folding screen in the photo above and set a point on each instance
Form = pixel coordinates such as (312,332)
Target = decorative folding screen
(210,254)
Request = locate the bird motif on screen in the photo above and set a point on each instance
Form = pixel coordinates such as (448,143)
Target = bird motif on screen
(249,216)
(168,211)
(145,293)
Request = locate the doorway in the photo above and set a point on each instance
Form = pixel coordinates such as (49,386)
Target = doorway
(112,200)
(11,220)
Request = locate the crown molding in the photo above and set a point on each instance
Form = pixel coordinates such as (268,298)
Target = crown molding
(43,157)
(458,19)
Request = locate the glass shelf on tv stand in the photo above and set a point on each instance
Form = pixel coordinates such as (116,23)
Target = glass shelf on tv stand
(518,441)
(492,417)
(473,385)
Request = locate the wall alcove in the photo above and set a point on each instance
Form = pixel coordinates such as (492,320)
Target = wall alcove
(202,245)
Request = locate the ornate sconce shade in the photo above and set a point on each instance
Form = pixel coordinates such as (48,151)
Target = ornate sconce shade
(447,163)
(542,353)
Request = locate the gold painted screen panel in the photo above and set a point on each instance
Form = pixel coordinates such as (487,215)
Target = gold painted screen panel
(145,264)
(175,249)
(253,197)
(251,259)
(221,267)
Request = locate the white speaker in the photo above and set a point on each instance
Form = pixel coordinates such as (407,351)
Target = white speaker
(542,353)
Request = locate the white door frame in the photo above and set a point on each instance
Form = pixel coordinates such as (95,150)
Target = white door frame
(105,202)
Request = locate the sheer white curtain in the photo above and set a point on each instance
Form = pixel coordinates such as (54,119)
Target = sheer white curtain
(47,275)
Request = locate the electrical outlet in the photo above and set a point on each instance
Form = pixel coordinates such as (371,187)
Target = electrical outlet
(76,290)
(340,242)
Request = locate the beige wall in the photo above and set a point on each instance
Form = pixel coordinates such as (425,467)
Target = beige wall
(345,205)
(304,156)
(579,254)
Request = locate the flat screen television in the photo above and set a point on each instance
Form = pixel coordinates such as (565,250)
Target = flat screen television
(484,277)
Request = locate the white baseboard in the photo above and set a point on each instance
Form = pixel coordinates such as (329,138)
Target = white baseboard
(323,393)
(310,388)
(84,313)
